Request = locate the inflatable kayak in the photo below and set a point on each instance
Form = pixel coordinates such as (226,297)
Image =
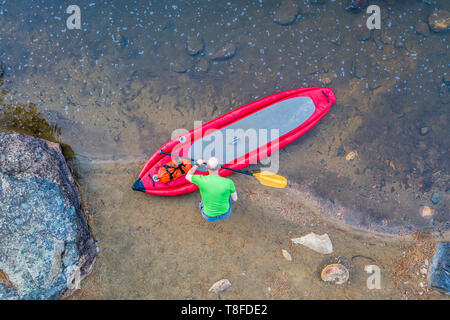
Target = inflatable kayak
(238,138)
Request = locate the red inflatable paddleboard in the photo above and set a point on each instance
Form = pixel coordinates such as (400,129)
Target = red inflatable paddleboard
(241,137)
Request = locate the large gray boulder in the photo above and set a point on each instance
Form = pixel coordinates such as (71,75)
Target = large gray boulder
(439,273)
(46,248)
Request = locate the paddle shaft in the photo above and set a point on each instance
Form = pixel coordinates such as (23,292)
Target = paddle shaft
(235,170)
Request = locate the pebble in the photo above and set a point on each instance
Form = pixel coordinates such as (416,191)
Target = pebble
(220,286)
(336,273)
(436,197)
(351,156)
(286,255)
(325,81)
(424,131)
(427,211)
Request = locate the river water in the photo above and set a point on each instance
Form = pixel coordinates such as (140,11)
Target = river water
(116,90)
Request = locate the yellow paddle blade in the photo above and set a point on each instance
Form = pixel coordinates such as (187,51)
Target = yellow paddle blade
(270,179)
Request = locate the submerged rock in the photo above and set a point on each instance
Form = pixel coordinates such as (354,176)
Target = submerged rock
(358,69)
(436,197)
(422,28)
(424,131)
(336,273)
(46,248)
(318,243)
(180,66)
(220,286)
(194,45)
(446,79)
(226,52)
(202,65)
(287,12)
(439,21)
(355,5)
(2,69)
(444,94)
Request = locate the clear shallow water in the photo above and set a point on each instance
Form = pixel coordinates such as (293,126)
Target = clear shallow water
(112,90)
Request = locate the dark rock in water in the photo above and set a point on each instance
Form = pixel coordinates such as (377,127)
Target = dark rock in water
(202,65)
(424,131)
(363,33)
(287,12)
(194,45)
(439,21)
(436,197)
(227,52)
(422,28)
(355,5)
(46,248)
(119,39)
(358,70)
(181,66)
(341,151)
(439,272)
(390,2)
(446,79)
(2,70)
(444,94)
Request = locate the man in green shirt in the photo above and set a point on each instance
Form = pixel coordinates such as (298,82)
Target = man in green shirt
(216,191)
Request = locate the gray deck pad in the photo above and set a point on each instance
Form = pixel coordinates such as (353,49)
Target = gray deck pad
(254,131)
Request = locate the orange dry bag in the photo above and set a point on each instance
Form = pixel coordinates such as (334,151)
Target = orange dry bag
(173,170)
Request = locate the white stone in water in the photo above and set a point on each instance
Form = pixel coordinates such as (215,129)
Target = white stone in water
(220,286)
(318,243)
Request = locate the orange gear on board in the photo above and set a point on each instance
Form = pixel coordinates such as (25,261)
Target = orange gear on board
(173,170)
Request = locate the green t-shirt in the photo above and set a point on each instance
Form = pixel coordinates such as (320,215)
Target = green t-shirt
(215,191)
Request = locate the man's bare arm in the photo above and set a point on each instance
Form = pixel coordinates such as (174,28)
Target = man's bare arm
(234,196)
(191,172)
